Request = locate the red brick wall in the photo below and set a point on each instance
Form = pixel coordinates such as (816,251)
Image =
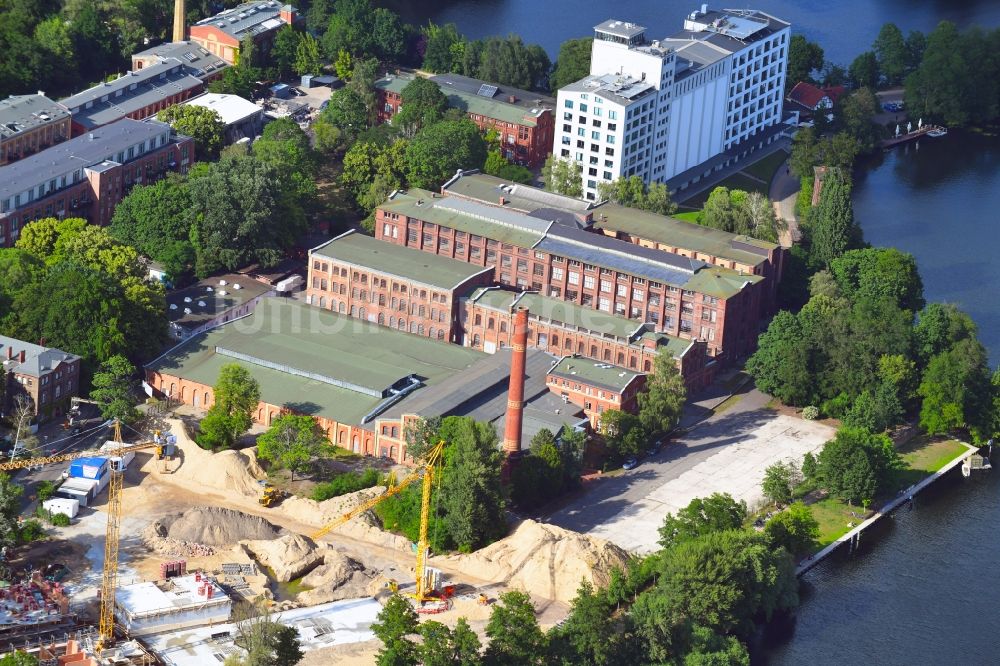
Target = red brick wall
(674,311)
(596,400)
(34,140)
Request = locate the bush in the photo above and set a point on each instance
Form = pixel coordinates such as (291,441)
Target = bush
(31,530)
(347,482)
(59,519)
(45,490)
(837,406)
(810,413)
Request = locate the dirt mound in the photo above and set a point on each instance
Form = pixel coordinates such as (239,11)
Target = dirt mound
(290,557)
(544,560)
(339,577)
(364,527)
(236,471)
(215,526)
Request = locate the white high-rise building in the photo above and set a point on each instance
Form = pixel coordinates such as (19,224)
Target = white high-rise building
(658,108)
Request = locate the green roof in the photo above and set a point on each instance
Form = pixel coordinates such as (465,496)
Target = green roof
(364,251)
(577,317)
(681,234)
(468,102)
(304,348)
(594,373)
(409,203)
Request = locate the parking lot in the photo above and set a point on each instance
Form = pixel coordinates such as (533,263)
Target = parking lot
(727,453)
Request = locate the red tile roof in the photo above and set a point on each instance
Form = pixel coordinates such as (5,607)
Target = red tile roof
(807,95)
(835,92)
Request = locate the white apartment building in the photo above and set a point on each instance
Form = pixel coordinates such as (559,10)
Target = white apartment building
(659,108)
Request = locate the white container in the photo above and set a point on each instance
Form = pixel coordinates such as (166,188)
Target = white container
(70,507)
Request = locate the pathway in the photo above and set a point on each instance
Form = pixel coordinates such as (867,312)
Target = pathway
(712,181)
(783,193)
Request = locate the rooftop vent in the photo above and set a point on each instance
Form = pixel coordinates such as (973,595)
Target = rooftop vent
(236,286)
(222,283)
(187,310)
(222,292)
(201,304)
(173,306)
(187,299)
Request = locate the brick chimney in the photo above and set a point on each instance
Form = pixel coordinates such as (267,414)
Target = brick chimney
(515,395)
(287,14)
(21,359)
(10,352)
(180,26)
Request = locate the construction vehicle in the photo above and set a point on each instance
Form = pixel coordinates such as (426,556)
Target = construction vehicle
(109,580)
(425,589)
(269,495)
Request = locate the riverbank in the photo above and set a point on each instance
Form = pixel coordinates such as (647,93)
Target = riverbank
(916,458)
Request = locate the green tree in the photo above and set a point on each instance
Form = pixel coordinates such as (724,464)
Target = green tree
(423,105)
(855,112)
(876,273)
(388,35)
(285,146)
(291,442)
(634,193)
(563,176)
(782,365)
(864,70)
(777,483)
(470,483)
(443,44)
(350,28)
(307,56)
(588,635)
(507,61)
(936,89)
(623,433)
(804,58)
(572,63)
(716,513)
(156,220)
(875,410)
(956,391)
(940,326)
(856,464)
(344,65)
(442,646)
(890,50)
(347,112)
(438,151)
(202,124)
(832,221)
(372,171)
(661,403)
(239,80)
(55,40)
(710,649)
(18,658)
(285,49)
(10,510)
(112,390)
(237,394)
(395,622)
(515,638)
(916,43)
(795,529)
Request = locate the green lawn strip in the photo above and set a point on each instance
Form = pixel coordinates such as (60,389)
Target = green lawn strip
(922,454)
(690,216)
(834,518)
(727,404)
(734,182)
(767,167)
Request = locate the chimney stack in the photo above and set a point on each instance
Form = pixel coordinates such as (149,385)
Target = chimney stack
(10,352)
(515,395)
(21,359)
(180,27)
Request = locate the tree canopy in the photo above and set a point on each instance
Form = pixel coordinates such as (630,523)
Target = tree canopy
(572,63)
(291,442)
(438,151)
(237,394)
(202,124)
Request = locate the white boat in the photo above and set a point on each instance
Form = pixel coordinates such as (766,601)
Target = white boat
(938,131)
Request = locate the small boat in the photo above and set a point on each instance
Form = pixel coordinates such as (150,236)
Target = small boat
(937,131)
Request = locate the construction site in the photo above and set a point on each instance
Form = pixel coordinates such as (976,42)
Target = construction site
(173,538)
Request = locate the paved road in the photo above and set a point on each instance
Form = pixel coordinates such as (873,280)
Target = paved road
(784,192)
(725,453)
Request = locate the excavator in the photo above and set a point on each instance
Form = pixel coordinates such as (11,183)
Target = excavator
(109,579)
(425,589)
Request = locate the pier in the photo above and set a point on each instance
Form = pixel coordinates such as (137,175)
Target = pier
(854,536)
(910,136)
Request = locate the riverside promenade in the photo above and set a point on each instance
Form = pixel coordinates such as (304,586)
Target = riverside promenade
(890,506)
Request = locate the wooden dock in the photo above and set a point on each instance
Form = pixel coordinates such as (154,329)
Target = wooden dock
(910,136)
(890,506)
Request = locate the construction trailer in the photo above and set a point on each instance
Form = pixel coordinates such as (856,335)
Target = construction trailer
(69,507)
(180,602)
(113,458)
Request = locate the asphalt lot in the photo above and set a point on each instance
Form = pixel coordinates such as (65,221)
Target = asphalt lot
(725,453)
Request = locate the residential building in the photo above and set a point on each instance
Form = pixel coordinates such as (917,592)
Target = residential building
(221,34)
(87,176)
(596,386)
(213,301)
(48,377)
(524,120)
(138,94)
(662,108)
(197,60)
(551,251)
(354,377)
(562,328)
(719,248)
(29,124)
(243,119)
(393,286)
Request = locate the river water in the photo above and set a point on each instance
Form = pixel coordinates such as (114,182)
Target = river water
(925,588)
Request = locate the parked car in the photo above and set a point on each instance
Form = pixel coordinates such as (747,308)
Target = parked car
(297,92)
(630,463)
(325,103)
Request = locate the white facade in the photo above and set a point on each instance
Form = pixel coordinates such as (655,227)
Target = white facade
(658,108)
(185,601)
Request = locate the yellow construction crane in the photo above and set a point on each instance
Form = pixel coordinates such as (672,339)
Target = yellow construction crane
(106,626)
(425,471)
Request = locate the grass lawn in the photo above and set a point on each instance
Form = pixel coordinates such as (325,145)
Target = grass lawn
(767,167)
(727,404)
(833,517)
(689,216)
(735,182)
(925,455)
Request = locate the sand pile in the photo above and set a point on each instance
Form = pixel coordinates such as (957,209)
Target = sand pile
(365,527)
(236,471)
(290,557)
(200,530)
(339,577)
(544,560)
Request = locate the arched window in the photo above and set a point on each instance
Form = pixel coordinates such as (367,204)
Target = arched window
(503,327)
(322,301)
(631,362)
(206,399)
(361,314)
(420,329)
(647,365)
(356,444)
(593,351)
(479,319)
(567,343)
(555,341)
(183,394)
(607,354)
(343,308)
(413,327)
(395,431)
(489,323)
(476,340)
(621,358)
(392,322)
(431,333)
(402,324)
(381,319)
(354,310)
(441,335)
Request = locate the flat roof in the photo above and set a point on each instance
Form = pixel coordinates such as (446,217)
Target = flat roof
(20,113)
(197,59)
(619,88)
(147,598)
(525,198)
(211,297)
(620,28)
(594,373)
(363,251)
(250,17)
(232,109)
(78,153)
(131,92)
(306,347)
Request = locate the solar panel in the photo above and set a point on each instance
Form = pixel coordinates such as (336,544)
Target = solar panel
(486,90)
